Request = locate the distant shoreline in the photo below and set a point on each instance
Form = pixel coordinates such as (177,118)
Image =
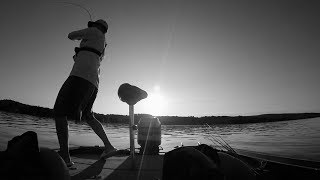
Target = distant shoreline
(17,107)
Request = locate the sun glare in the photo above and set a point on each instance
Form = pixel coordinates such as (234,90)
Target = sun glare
(155,104)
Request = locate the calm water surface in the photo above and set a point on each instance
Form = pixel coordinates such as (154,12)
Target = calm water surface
(297,139)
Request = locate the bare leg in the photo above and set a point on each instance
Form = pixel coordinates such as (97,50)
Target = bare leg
(99,130)
(63,137)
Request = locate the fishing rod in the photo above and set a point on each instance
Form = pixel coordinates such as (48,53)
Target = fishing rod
(224,144)
(216,141)
(77,5)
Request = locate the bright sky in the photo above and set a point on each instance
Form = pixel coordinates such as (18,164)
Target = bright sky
(194,58)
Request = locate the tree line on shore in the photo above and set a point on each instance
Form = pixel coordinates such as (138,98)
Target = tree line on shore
(17,107)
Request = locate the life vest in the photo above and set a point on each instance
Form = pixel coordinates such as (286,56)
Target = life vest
(77,50)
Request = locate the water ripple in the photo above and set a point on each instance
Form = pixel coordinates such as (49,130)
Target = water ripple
(298,138)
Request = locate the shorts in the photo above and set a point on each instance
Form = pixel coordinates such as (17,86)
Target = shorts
(75,95)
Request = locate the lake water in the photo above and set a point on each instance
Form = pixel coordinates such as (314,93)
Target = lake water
(298,138)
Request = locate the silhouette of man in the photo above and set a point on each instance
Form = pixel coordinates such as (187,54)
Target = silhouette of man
(79,91)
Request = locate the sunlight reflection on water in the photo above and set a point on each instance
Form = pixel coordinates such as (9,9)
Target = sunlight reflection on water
(298,138)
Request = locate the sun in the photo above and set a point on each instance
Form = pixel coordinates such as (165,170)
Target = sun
(155,104)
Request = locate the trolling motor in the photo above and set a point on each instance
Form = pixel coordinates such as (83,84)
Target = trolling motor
(149,135)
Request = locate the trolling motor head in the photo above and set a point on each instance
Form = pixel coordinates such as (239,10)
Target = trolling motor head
(99,23)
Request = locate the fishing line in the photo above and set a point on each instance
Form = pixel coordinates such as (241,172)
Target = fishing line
(172,30)
(144,150)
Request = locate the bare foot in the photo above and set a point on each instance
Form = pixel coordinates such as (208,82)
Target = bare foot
(108,152)
(66,159)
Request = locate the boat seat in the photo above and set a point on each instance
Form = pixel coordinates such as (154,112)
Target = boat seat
(131,94)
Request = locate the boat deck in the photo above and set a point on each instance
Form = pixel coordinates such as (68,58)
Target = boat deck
(120,167)
(89,166)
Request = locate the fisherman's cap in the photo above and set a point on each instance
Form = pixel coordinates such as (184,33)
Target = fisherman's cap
(100,23)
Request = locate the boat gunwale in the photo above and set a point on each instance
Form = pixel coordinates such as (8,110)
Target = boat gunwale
(286,161)
(301,163)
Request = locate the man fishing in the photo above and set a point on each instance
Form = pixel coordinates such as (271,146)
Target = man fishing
(79,91)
